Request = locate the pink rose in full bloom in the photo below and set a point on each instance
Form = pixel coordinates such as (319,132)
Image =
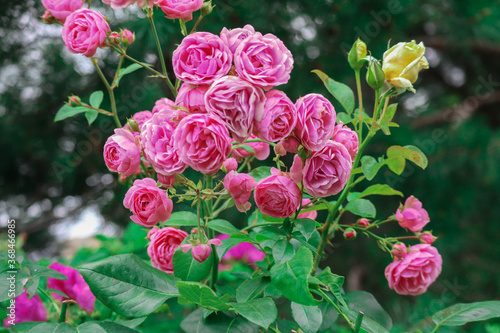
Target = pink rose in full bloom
(27,310)
(327,171)
(158,143)
(201,59)
(84,31)
(263,61)
(412,216)
(242,252)
(233,37)
(240,187)
(180,9)
(163,244)
(308,215)
(346,136)
(74,287)
(122,154)
(192,98)
(262,150)
(414,273)
(316,121)
(277,196)
(203,142)
(61,9)
(278,118)
(236,102)
(148,204)
(115,4)
(201,252)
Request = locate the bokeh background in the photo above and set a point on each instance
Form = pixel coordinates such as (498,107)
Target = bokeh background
(54,183)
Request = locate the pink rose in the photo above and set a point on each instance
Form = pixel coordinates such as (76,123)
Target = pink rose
(84,31)
(262,150)
(122,154)
(74,287)
(291,144)
(308,215)
(201,59)
(116,4)
(277,196)
(141,117)
(180,9)
(167,181)
(297,169)
(346,136)
(316,121)
(233,38)
(230,165)
(201,252)
(242,252)
(263,60)
(240,187)
(399,251)
(163,103)
(236,102)
(412,216)
(203,142)
(363,222)
(148,204)
(26,310)
(416,271)
(327,171)
(192,98)
(158,143)
(427,237)
(163,244)
(278,118)
(61,9)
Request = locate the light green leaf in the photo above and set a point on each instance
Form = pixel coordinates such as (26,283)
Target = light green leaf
(202,295)
(96,98)
(251,288)
(361,207)
(260,173)
(423,162)
(187,268)
(223,226)
(309,318)
(52,328)
(38,271)
(463,313)
(379,189)
(129,286)
(182,219)
(68,111)
(387,118)
(370,166)
(216,323)
(396,156)
(342,93)
(91,116)
(306,227)
(260,311)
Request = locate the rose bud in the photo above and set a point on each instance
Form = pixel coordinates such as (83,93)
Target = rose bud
(128,37)
(74,101)
(230,165)
(349,233)
(279,149)
(363,222)
(115,38)
(201,252)
(375,76)
(399,251)
(356,56)
(207,8)
(48,18)
(133,125)
(412,216)
(427,237)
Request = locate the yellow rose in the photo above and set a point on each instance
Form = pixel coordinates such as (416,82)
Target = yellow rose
(402,62)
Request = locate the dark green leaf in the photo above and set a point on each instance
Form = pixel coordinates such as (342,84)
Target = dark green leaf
(306,227)
(128,286)
(283,251)
(128,70)
(309,318)
(290,277)
(251,288)
(202,295)
(104,327)
(361,207)
(365,302)
(340,91)
(96,98)
(216,323)
(223,226)
(463,313)
(184,219)
(38,271)
(52,328)
(260,311)
(31,286)
(379,189)
(187,268)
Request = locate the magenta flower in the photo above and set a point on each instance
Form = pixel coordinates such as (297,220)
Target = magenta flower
(316,121)
(84,31)
(233,37)
(245,251)
(163,244)
(74,287)
(278,118)
(327,171)
(148,204)
(416,271)
(116,4)
(26,309)
(122,154)
(412,216)
(236,102)
(192,98)
(277,196)
(263,61)
(240,187)
(201,58)
(180,9)
(61,9)
(346,136)
(203,142)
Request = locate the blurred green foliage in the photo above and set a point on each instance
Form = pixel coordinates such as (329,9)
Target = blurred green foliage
(51,172)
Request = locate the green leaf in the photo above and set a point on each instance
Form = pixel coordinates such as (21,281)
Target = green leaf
(38,271)
(216,323)
(230,242)
(368,324)
(309,318)
(52,328)
(361,207)
(283,251)
(31,286)
(260,173)
(424,162)
(202,295)
(5,284)
(104,327)
(68,111)
(463,313)
(387,118)
(396,156)
(129,286)
(128,70)
(223,226)
(334,282)
(340,91)
(290,277)
(344,117)
(91,116)
(379,189)
(251,288)
(96,98)
(247,148)
(365,302)
(306,227)
(261,311)
(187,268)
(182,219)
(370,166)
